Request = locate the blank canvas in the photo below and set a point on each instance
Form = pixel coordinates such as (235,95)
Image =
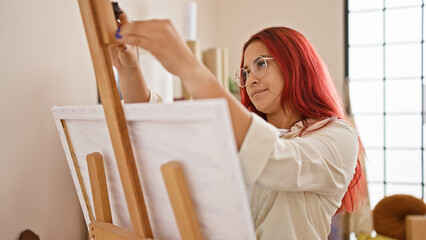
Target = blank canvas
(198,134)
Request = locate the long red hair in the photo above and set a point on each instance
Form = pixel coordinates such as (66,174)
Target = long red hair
(308,90)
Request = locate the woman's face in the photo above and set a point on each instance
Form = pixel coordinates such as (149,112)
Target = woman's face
(264,93)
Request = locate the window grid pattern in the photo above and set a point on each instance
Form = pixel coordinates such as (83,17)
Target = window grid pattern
(384,67)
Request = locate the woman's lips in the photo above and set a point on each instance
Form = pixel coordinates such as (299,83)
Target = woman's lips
(255,92)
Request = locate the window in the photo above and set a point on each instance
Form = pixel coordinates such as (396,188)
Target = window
(385,67)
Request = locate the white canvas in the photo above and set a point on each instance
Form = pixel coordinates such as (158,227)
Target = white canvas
(198,134)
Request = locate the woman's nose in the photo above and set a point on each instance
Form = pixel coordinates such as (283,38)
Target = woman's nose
(252,79)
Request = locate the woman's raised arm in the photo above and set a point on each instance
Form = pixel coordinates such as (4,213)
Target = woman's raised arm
(163,41)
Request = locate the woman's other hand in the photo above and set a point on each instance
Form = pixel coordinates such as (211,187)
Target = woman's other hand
(163,41)
(123,56)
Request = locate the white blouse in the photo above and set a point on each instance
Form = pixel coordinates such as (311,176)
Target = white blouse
(297,183)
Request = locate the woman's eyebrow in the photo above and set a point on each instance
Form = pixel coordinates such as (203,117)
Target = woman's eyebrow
(245,66)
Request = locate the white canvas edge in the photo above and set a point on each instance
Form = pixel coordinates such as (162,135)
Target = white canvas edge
(72,169)
(131,112)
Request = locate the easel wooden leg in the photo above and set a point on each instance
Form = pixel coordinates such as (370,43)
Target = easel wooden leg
(99,24)
(98,184)
(100,27)
(103,228)
(181,202)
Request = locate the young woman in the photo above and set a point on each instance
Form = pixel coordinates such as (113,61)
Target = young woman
(297,151)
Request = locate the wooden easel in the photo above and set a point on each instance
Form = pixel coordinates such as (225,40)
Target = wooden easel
(100,26)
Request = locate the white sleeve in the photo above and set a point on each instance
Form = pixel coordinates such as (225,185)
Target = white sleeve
(322,162)
(154,97)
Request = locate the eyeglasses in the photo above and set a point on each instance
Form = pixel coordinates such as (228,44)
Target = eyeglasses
(258,67)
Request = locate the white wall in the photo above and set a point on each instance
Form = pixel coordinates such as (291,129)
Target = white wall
(322,22)
(174,10)
(44,61)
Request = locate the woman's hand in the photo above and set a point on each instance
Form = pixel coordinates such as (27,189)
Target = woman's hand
(163,41)
(124,56)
